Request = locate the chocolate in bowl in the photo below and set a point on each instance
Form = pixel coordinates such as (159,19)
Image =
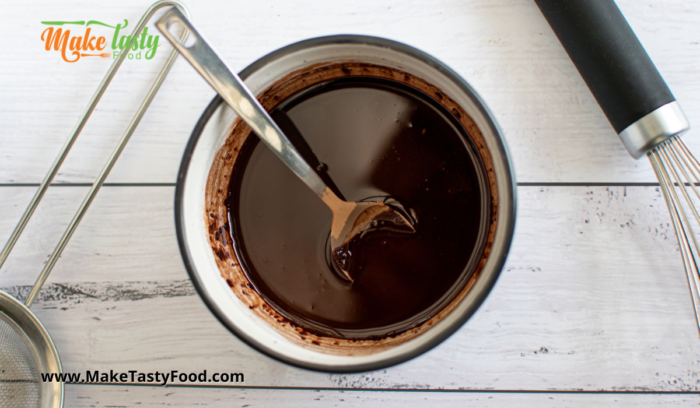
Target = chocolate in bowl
(269,238)
(215,148)
(375,138)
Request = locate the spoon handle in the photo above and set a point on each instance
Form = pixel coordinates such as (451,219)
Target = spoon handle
(238,96)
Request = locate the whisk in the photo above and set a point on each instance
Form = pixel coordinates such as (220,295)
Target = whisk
(639,106)
(675,166)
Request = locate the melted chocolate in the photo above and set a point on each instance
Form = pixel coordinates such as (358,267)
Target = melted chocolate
(374,138)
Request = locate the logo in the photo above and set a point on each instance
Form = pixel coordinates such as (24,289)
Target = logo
(76,45)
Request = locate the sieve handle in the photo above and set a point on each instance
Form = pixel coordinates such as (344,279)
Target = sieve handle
(68,233)
(617,70)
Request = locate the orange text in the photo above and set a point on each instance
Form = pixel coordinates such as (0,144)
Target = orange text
(71,46)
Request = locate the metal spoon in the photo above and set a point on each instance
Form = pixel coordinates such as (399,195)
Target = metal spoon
(350,219)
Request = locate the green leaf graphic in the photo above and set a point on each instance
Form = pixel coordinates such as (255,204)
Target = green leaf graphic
(99,23)
(63,22)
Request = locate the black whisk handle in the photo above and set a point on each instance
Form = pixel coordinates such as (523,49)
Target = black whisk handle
(611,60)
(609,57)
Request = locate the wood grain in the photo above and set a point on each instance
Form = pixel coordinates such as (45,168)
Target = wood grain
(70,294)
(114,396)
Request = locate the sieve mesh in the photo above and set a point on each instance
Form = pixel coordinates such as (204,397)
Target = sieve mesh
(20,385)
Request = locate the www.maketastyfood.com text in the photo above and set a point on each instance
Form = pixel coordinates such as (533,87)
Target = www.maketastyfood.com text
(134,376)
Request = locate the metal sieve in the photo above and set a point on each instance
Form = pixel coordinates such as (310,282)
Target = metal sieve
(26,351)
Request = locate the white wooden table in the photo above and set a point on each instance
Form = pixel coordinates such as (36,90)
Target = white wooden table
(591,309)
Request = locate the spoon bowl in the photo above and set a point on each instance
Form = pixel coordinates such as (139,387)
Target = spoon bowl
(351,220)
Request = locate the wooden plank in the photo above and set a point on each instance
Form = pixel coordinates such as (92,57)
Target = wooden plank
(114,396)
(593,297)
(127,235)
(504,48)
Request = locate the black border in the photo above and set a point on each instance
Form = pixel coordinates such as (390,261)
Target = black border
(346,39)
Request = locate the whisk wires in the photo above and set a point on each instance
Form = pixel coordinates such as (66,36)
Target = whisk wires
(678,170)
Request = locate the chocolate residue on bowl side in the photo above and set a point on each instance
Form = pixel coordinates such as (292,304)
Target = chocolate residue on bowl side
(227,259)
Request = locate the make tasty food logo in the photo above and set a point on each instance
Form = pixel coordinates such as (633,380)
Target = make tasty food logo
(78,44)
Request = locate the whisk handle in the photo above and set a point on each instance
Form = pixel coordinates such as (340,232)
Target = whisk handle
(617,70)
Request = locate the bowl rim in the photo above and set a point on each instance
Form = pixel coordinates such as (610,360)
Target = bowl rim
(500,251)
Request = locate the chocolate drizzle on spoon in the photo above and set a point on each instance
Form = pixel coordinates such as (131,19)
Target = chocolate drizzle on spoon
(397,220)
